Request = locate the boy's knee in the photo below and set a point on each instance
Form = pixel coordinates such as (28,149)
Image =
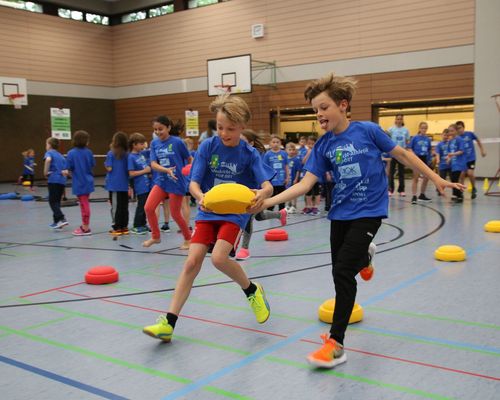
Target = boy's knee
(219,260)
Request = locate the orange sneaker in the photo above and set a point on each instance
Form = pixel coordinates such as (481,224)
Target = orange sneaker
(367,272)
(329,355)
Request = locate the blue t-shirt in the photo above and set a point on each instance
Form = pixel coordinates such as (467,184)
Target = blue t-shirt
(117,178)
(57,165)
(216,164)
(137,162)
(399,135)
(442,149)
(277,161)
(294,166)
(80,162)
(458,163)
(354,156)
(470,152)
(29,166)
(169,153)
(421,146)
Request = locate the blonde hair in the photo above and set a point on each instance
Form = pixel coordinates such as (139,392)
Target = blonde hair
(233,107)
(337,87)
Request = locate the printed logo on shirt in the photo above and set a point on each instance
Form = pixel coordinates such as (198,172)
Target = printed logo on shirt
(350,171)
(280,157)
(338,156)
(169,147)
(214,161)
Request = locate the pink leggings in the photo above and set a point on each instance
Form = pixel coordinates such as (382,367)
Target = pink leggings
(83,199)
(156,196)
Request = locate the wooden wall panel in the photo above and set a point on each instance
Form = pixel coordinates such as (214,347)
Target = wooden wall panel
(177,46)
(424,84)
(52,49)
(30,127)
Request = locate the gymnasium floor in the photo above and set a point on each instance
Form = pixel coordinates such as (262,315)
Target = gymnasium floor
(431,329)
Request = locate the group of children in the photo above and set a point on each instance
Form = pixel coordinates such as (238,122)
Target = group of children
(349,153)
(454,156)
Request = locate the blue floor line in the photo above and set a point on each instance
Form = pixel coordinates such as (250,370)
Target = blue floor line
(237,365)
(59,378)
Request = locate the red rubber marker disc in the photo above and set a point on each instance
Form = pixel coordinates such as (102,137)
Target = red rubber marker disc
(276,235)
(101,275)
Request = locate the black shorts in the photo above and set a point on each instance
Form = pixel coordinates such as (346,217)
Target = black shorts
(314,190)
(424,159)
(471,164)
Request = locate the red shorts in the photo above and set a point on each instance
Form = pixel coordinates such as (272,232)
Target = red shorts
(208,232)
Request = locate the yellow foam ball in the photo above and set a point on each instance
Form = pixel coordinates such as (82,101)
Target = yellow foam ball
(228,198)
(492,226)
(450,252)
(325,312)
(26,183)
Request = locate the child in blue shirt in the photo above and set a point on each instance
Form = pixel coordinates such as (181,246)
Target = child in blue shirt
(470,155)
(456,159)
(400,136)
(220,159)
(116,183)
(441,151)
(277,159)
(421,146)
(138,170)
(53,169)
(80,162)
(29,167)
(352,150)
(169,155)
(294,166)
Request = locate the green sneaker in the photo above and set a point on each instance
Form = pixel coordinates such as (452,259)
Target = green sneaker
(259,304)
(161,330)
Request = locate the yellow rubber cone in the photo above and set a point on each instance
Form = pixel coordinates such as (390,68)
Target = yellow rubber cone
(486,184)
(469,187)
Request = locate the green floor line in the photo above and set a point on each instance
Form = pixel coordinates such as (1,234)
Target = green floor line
(361,379)
(431,317)
(245,353)
(117,361)
(46,323)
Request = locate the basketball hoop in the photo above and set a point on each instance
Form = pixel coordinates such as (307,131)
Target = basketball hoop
(223,88)
(15,99)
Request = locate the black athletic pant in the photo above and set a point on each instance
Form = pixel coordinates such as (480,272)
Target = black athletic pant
(56,191)
(140,214)
(349,241)
(401,175)
(455,177)
(328,187)
(277,190)
(119,209)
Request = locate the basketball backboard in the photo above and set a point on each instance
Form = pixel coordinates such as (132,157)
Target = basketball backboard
(229,74)
(10,86)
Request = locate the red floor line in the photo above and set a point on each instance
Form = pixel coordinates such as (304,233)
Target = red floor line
(302,340)
(182,315)
(411,361)
(50,290)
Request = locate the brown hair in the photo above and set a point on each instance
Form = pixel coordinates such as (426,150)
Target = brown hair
(134,139)
(81,139)
(233,107)
(26,152)
(119,144)
(254,138)
(53,142)
(337,87)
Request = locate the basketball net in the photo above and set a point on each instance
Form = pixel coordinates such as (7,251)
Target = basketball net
(223,88)
(15,99)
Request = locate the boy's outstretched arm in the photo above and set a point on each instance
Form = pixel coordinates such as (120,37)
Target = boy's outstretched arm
(299,189)
(411,160)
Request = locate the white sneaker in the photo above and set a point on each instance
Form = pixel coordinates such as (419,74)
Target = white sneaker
(292,210)
(372,249)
